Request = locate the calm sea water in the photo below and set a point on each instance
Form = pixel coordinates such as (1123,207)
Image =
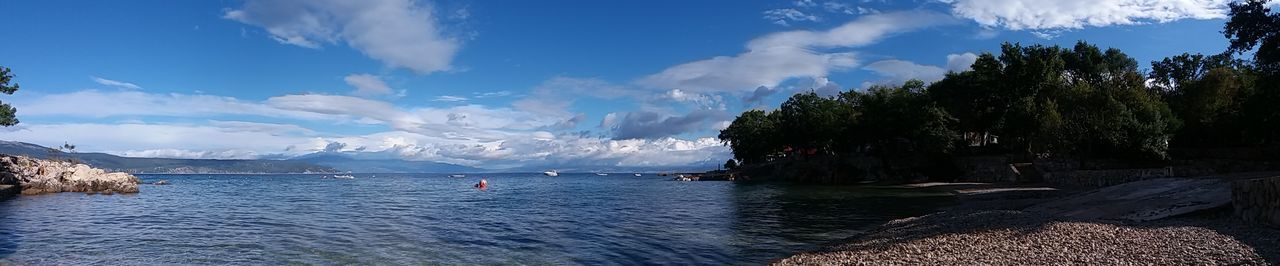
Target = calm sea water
(434,219)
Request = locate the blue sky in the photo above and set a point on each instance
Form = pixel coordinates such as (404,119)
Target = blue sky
(504,84)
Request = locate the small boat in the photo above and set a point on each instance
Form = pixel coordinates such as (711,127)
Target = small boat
(458,175)
(637,174)
(551,173)
(344,177)
(601,174)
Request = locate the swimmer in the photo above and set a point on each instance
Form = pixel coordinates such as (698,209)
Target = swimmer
(483,184)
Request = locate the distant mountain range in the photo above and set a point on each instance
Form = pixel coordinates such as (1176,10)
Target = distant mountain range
(313,163)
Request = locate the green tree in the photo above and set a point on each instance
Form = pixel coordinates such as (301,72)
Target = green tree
(1047,100)
(809,121)
(8,114)
(972,98)
(752,136)
(900,122)
(1207,94)
(730,164)
(1254,26)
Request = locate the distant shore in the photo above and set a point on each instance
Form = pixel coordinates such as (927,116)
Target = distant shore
(992,228)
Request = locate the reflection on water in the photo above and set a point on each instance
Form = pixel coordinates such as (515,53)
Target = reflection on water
(773,220)
(434,219)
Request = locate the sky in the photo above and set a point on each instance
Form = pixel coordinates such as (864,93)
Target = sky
(505,84)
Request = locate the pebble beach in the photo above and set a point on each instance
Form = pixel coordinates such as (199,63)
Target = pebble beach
(1007,237)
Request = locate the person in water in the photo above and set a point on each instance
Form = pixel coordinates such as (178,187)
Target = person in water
(483,184)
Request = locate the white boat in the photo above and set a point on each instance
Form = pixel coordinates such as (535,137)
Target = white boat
(551,173)
(457,175)
(637,174)
(602,174)
(344,177)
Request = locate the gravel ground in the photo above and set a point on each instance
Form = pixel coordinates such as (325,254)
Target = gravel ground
(1004,237)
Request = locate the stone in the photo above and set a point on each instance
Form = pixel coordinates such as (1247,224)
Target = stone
(36,176)
(1145,200)
(1257,200)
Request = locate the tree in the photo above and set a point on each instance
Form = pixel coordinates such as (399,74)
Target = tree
(1253,26)
(730,164)
(1207,93)
(752,136)
(900,122)
(809,121)
(8,114)
(1044,100)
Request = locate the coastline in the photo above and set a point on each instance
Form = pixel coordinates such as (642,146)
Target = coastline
(989,226)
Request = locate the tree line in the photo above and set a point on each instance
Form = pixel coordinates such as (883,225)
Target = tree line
(1044,101)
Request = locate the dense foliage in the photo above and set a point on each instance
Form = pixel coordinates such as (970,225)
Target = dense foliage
(8,114)
(1041,101)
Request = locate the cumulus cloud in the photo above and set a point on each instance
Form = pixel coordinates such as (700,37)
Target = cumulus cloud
(961,62)
(115,83)
(400,33)
(776,57)
(1042,15)
(367,84)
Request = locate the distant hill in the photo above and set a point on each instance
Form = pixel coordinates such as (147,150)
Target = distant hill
(359,165)
(163,165)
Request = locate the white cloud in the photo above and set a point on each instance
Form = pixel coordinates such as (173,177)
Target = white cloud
(898,71)
(554,96)
(773,58)
(960,62)
(161,140)
(492,94)
(450,98)
(783,16)
(400,33)
(115,83)
(99,104)
(474,135)
(367,84)
(1077,14)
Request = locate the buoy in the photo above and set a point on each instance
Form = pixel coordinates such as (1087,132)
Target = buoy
(483,184)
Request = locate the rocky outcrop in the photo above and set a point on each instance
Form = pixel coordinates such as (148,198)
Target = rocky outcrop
(1257,200)
(35,176)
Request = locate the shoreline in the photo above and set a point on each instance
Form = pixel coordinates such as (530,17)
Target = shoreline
(989,226)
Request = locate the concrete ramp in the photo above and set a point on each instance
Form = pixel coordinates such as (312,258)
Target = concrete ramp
(1144,200)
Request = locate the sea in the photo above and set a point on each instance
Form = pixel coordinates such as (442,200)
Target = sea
(435,219)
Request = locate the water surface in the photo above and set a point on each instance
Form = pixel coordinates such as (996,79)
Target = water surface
(435,219)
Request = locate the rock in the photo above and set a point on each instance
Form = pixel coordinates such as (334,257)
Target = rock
(1257,200)
(35,176)
(1145,200)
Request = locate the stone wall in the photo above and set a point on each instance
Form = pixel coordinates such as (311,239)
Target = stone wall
(1257,200)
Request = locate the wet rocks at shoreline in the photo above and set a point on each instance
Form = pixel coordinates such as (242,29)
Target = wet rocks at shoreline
(36,176)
